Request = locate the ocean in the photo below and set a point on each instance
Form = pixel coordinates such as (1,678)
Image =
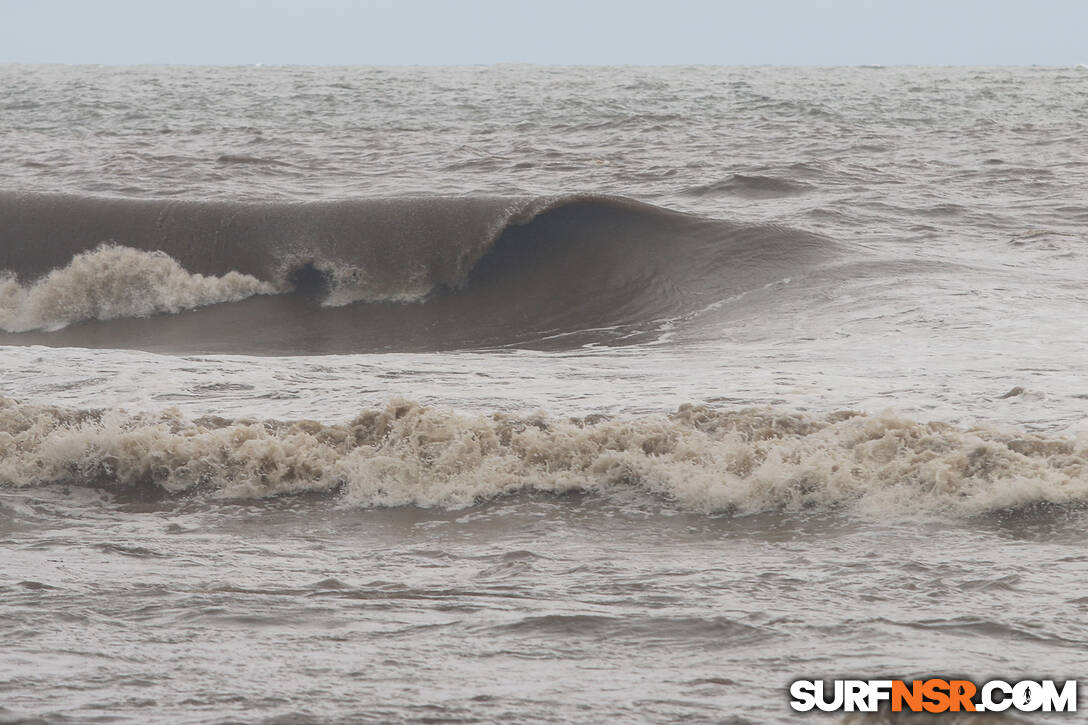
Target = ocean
(537,394)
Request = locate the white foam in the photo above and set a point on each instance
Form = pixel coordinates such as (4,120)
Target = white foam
(700,458)
(112,282)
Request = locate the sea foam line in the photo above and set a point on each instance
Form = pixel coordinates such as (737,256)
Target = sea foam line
(699,458)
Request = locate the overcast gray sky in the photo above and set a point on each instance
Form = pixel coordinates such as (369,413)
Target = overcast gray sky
(436,32)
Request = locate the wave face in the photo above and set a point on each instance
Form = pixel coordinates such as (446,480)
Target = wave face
(700,458)
(404,273)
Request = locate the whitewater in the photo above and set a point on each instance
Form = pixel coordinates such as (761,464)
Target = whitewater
(521,393)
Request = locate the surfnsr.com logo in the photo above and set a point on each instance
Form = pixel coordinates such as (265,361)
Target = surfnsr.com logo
(933,696)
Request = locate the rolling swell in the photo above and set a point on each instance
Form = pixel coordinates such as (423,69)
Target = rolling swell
(419,273)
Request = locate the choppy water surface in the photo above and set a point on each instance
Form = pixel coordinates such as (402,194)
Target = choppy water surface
(536,394)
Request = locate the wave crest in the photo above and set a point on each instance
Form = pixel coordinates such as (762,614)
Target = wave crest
(700,458)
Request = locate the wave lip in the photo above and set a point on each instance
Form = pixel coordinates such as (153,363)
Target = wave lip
(698,458)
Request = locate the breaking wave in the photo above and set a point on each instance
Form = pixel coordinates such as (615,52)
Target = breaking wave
(111,282)
(698,458)
(479,271)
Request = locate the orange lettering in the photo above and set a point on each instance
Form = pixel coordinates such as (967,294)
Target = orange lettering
(936,691)
(911,695)
(961,692)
